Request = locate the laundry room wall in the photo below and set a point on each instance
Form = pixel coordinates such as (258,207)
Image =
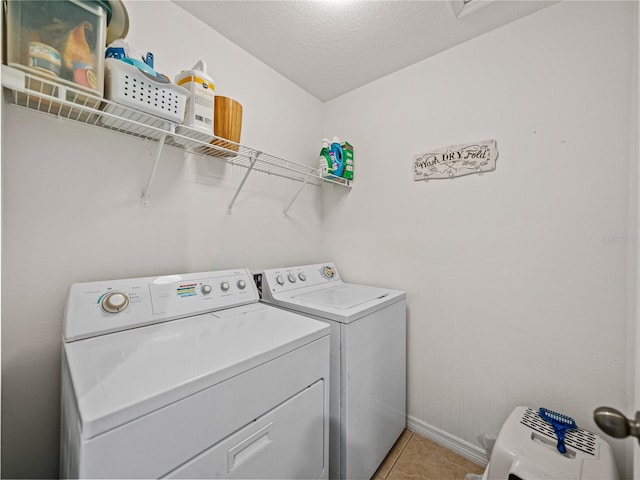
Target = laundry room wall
(634,331)
(71,213)
(517,278)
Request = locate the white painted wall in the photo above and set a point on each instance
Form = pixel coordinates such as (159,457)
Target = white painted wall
(71,214)
(517,287)
(633,372)
(516,279)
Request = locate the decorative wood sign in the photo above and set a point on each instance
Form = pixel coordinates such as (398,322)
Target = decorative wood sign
(456,161)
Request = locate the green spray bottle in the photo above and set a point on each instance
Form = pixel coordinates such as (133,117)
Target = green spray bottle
(325,165)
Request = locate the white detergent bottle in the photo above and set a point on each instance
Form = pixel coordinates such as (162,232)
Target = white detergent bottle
(324,162)
(199,109)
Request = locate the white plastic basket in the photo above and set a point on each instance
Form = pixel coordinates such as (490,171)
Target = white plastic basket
(128,86)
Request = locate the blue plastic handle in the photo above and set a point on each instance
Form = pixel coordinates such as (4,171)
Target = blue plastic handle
(561,425)
(149,59)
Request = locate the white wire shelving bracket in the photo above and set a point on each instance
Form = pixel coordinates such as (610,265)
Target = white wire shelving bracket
(252,162)
(285,212)
(48,96)
(147,191)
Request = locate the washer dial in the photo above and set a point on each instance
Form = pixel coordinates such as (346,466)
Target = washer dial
(115,302)
(224,286)
(328,272)
(241,284)
(292,278)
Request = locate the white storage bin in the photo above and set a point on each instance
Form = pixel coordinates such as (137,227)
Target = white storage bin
(128,86)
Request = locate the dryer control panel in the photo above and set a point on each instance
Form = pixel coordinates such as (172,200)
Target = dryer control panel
(98,308)
(292,278)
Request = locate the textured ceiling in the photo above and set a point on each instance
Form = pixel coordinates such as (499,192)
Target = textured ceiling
(332,47)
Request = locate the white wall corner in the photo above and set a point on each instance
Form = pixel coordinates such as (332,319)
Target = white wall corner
(463,448)
(460,8)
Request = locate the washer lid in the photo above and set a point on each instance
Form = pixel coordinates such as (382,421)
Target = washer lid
(343,302)
(122,376)
(341,296)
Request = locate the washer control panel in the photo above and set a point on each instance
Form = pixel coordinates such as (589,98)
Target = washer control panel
(97,308)
(285,279)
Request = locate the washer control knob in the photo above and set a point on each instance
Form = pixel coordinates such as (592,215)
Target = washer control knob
(224,286)
(206,289)
(115,302)
(292,278)
(302,276)
(241,284)
(280,279)
(328,272)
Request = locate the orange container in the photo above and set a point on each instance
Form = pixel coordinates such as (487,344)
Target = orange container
(227,123)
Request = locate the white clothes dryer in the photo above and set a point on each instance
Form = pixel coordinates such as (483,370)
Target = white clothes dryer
(368,360)
(188,376)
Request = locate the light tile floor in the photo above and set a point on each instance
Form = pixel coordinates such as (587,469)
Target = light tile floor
(417,458)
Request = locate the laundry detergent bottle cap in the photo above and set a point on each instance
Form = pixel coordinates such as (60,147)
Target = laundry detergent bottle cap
(200,69)
(201,66)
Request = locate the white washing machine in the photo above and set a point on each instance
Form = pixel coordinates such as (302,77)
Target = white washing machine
(188,376)
(368,360)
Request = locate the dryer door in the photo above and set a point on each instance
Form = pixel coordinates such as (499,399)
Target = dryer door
(286,442)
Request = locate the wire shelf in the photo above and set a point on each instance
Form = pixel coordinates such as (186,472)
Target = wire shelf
(45,95)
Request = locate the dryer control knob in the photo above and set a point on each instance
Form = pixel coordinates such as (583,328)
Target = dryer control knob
(224,286)
(241,284)
(115,302)
(292,278)
(206,289)
(302,276)
(280,279)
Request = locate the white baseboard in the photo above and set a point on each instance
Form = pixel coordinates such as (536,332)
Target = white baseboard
(463,448)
